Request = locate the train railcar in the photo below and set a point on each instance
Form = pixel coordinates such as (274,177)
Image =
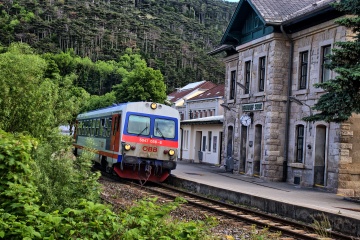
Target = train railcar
(136,140)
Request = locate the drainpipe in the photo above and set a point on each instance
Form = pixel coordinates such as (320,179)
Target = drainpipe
(181,143)
(288,109)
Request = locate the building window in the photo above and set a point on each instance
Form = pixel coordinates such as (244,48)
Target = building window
(261,74)
(247,76)
(325,72)
(300,143)
(209,139)
(232,85)
(303,69)
(186,139)
(214,144)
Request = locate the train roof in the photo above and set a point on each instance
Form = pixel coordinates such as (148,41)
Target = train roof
(123,107)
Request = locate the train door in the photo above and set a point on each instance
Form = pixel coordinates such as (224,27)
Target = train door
(115,133)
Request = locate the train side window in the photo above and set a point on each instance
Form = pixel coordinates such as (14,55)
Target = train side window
(79,128)
(101,127)
(108,127)
(97,123)
(90,128)
(85,128)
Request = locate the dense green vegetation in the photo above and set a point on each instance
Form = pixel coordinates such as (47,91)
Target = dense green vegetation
(173,36)
(46,193)
(342,97)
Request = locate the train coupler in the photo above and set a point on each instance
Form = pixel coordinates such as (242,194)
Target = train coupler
(148,167)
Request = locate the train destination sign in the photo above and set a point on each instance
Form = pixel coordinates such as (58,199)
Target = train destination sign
(252,107)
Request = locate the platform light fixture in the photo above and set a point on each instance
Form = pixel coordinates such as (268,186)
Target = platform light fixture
(227,107)
(242,86)
(293,99)
(299,102)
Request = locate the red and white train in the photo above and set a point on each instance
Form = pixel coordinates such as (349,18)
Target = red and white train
(136,140)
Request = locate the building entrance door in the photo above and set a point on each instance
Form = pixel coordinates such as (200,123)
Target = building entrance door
(320,156)
(243,143)
(257,150)
(198,152)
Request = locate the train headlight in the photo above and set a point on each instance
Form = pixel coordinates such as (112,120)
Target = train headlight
(153,106)
(127,147)
(171,152)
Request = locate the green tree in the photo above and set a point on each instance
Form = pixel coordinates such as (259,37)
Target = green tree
(140,82)
(27,100)
(143,84)
(342,97)
(96,102)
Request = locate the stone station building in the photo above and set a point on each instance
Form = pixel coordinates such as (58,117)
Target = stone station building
(275,53)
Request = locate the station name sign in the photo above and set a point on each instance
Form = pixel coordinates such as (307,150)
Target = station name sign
(252,107)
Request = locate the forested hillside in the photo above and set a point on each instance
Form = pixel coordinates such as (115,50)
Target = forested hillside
(172,35)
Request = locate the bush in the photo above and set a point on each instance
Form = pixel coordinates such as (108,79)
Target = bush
(20,213)
(62,179)
(21,216)
(149,220)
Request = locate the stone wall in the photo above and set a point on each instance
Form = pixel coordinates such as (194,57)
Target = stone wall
(349,159)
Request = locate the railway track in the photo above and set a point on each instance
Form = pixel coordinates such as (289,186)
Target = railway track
(238,213)
(288,228)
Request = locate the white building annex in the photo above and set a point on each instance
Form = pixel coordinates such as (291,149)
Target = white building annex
(202,122)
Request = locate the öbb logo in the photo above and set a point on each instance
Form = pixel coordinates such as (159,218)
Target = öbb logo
(149,149)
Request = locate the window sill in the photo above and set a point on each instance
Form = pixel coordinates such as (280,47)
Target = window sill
(319,90)
(259,94)
(297,165)
(245,96)
(301,92)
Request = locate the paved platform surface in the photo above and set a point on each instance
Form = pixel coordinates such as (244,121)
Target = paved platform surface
(317,199)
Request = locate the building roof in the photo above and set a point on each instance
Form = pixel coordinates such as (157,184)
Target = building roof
(205,120)
(215,92)
(183,92)
(274,16)
(279,11)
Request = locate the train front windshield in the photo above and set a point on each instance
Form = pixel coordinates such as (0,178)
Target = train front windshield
(161,128)
(164,128)
(139,125)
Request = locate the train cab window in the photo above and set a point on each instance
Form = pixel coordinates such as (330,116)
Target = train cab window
(138,125)
(164,128)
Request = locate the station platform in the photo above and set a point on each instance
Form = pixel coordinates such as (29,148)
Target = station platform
(280,198)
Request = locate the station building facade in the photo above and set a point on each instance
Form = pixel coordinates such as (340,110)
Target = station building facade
(276,51)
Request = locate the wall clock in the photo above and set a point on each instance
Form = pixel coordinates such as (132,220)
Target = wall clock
(245,120)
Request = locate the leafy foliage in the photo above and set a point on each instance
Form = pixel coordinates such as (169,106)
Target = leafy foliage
(27,101)
(149,220)
(21,216)
(342,96)
(63,180)
(143,84)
